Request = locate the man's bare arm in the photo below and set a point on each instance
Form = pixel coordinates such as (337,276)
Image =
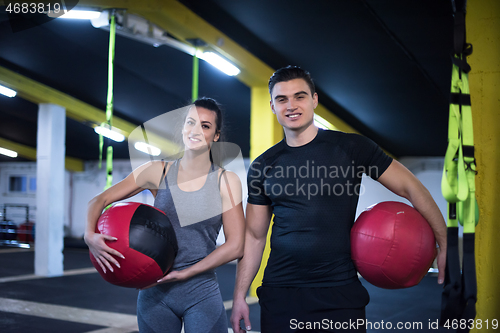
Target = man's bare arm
(258,220)
(402,182)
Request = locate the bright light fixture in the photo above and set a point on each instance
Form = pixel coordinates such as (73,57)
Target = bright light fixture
(323,123)
(8,152)
(76,14)
(218,62)
(148,149)
(7,91)
(113,135)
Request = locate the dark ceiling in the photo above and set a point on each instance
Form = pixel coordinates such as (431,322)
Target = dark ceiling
(383,66)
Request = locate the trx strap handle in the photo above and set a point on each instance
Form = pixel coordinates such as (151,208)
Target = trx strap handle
(451,300)
(458,187)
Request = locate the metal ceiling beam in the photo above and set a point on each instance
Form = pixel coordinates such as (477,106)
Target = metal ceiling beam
(71,164)
(185,25)
(37,93)
(182,23)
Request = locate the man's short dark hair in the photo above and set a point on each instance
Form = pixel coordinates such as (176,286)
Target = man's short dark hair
(290,73)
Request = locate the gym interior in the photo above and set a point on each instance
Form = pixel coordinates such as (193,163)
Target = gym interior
(382,69)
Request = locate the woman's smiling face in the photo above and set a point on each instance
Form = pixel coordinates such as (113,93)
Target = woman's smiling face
(200,128)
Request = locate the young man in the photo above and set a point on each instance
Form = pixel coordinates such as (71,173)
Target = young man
(310,181)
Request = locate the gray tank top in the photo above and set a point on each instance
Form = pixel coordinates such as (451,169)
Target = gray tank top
(196,216)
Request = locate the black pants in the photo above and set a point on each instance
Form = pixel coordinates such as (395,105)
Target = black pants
(336,309)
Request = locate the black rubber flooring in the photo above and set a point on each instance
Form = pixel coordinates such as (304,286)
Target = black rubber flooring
(418,307)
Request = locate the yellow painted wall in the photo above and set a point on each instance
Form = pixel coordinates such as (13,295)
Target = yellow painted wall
(483,32)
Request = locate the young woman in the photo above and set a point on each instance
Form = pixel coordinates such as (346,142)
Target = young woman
(198,197)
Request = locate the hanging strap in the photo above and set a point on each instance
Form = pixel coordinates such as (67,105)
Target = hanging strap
(458,187)
(109,106)
(454,184)
(194,87)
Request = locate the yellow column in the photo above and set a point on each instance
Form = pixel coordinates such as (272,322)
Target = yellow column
(265,131)
(483,32)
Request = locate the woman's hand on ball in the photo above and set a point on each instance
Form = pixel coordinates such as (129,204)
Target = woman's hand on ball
(174,276)
(170,277)
(103,254)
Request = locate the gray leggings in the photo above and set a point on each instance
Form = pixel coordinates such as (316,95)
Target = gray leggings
(197,302)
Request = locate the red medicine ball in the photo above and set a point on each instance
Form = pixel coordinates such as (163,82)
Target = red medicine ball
(146,239)
(392,245)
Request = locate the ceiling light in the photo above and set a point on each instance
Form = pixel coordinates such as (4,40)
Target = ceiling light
(8,152)
(148,149)
(113,135)
(7,91)
(218,62)
(76,14)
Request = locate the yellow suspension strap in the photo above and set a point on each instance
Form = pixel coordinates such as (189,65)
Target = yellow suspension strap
(458,188)
(109,106)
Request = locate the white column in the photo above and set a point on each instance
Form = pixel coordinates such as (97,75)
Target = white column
(50,153)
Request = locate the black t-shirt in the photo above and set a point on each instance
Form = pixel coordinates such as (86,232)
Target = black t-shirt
(313,191)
